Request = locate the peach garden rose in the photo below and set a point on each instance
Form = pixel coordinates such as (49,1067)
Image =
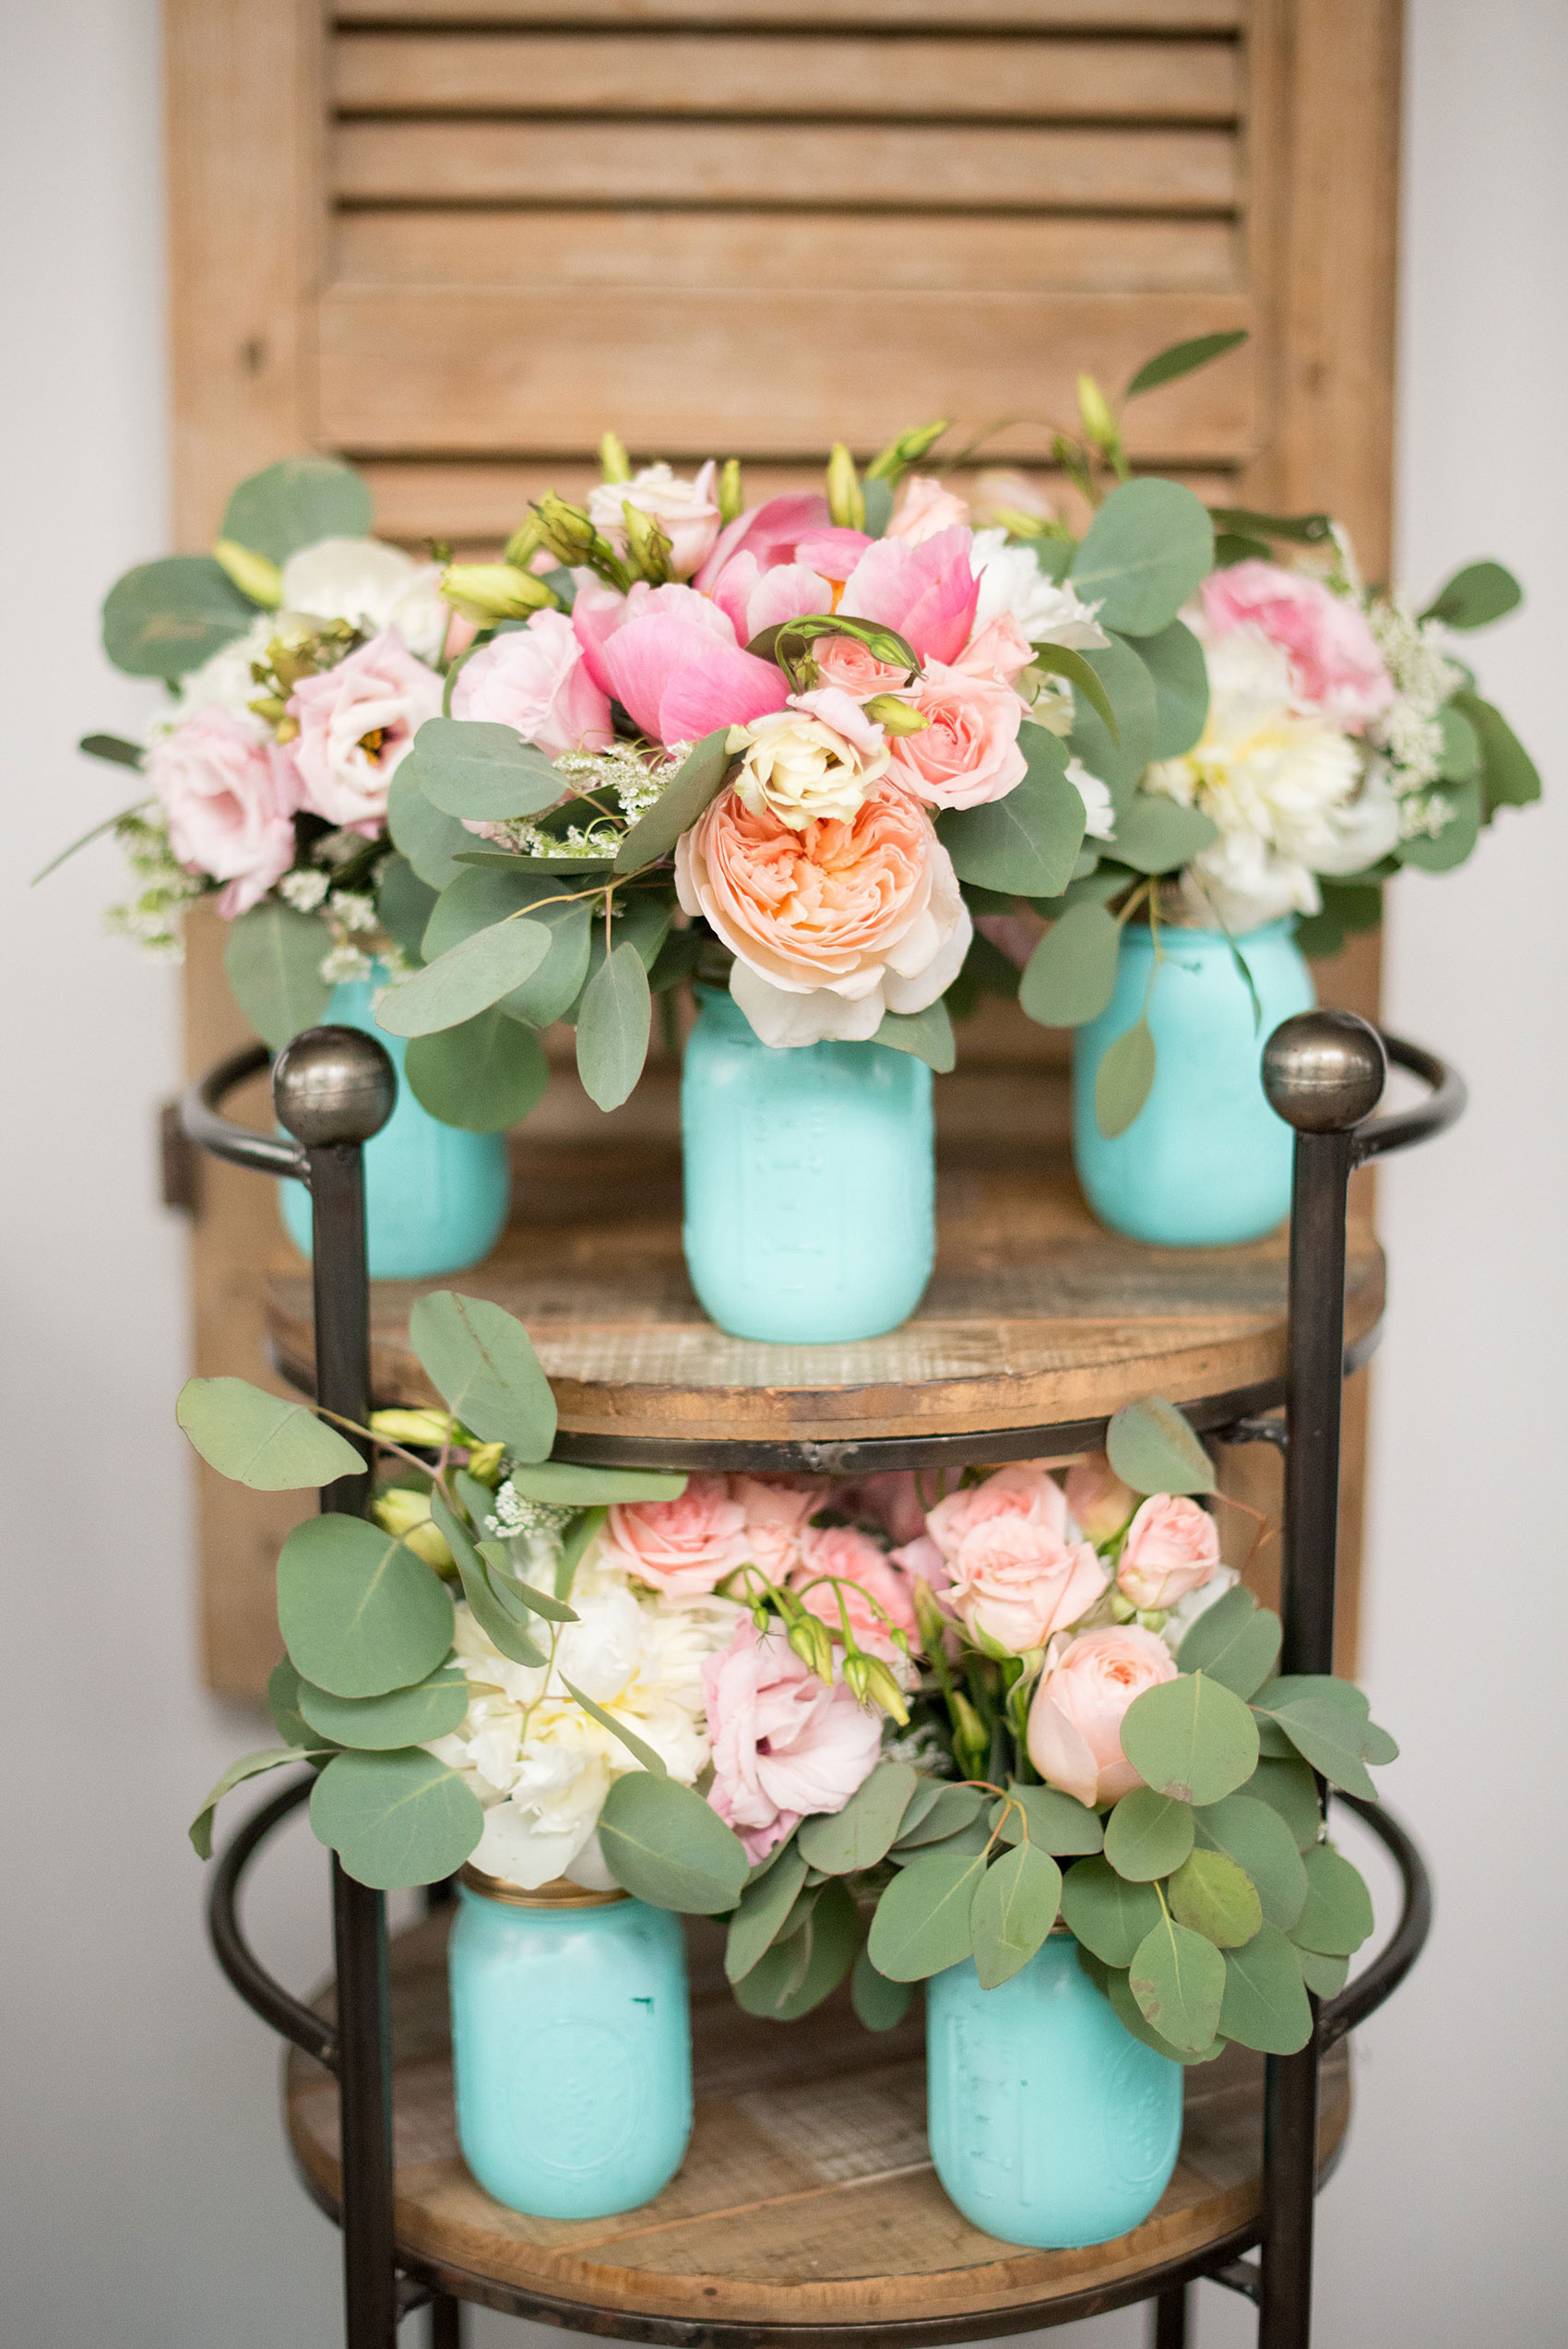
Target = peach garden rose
(1172,1547)
(684,1547)
(1075,1736)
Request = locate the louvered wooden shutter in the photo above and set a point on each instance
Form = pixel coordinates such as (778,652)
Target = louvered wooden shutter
(454,240)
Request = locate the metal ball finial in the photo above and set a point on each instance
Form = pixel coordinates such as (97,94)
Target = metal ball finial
(1324,1071)
(333,1085)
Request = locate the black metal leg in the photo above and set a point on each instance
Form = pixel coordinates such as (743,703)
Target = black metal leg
(445,2323)
(1170,2320)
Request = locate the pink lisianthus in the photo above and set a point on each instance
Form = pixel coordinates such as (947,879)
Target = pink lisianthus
(927,593)
(229,795)
(969,751)
(851,1559)
(785,1745)
(924,508)
(1099,1501)
(687,512)
(1172,1547)
(536,680)
(1022,1490)
(357,725)
(670,657)
(1336,667)
(1074,1736)
(775,1514)
(831,925)
(683,1548)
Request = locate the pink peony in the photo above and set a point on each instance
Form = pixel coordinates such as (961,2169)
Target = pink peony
(968,753)
(1017,1583)
(924,508)
(793,529)
(229,795)
(1172,1547)
(753,598)
(535,679)
(683,1548)
(357,725)
(852,1558)
(776,1512)
(854,668)
(833,924)
(927,593)
(670,657)
(1335,666)
(1100,1504)
(785,1745)
(1022,1490)
(1075,1717)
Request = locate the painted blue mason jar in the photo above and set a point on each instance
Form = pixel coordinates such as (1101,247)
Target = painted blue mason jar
(1205,1161)
(1050,2124)
(436,1197)
(810,1181)
(571,2047)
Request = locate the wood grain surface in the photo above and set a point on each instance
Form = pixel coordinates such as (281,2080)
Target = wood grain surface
(807,2196)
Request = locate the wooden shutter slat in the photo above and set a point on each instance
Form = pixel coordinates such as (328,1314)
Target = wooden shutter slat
(1024,16)
(447,371)
(819,76)
(980,253)
(793,165)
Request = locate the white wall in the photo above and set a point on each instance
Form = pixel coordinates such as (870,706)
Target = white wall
(146,2194)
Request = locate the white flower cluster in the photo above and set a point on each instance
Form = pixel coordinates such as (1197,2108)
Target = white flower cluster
(1410,735)
(152,917)
(631,779)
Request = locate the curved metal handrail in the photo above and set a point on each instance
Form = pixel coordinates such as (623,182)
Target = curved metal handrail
(1442,1106)
(1393,1963)
(205,1125)
(258,1988)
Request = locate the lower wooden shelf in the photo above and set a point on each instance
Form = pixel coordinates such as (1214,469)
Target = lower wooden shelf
(807,2201)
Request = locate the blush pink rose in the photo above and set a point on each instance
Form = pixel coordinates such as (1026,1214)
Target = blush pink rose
(1021,1490)
(853,1560)
(1172,1547)
(1335,666)
(924,508)
(535,680)
(831,924)
(1074,1736)
(1000,651)
(927,593)
(785,1745)
(357,725)
(855,669)
(969,751)
(1099,1501)
(776,1513)
(684,1547)
(229,795)
(1017,1583)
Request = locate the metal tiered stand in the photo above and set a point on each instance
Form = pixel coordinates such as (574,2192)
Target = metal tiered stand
(807,2213)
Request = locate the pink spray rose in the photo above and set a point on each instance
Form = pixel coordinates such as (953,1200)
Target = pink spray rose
(229,795)
(924,508)
(832,924)
(357,725)
(671,658)
(1335,666)
(1021,1490)
(785,1745)
(968,752)
(535,679)
(1099,1502)
(776,1512)
(1172,1547)
(1075,1717)
(999,650)
(1017,1583)
(854,1560)
(854,668)
(683,1548)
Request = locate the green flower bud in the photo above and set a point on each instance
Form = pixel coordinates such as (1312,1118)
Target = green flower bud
(972,1746)
(897,717)
(524,543)
(857,1674)
(732,500)
(254,574)
(1121,1608)
(484,1461)
(571,537)
(613,461)
(406,1516)
(1016,524)
(884,1690)
(895,461)
(809,1638)
(646,545)
(929,1615)
(845,501)
(484,591)
(429,1428)
(1095,409)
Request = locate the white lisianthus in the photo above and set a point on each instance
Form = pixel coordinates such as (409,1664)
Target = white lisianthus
(1010,580)
(687,512)
(540,1764)
(372,587)
(816,762)
(1100,812)
(1284,788)
(225,682)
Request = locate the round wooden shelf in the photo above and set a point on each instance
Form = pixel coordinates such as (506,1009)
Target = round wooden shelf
(807,2201)
(1037,1323)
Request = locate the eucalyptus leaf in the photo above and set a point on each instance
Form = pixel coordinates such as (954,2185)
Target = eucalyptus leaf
(1235,1642)
(483,1076)
(1289,1789)
(782,1969)
(1461,745)
(467,766)
(576,1548)
(764,1908)
(1152,1447)
(880,2004)
(431,842)
(1179,1981)
(663,1844)
(613,1026)
(1071,975)
(842,1842)
(1027,844)
(922,1802)
(404,904)
(272,958)
(949,1810)
(434,1708)
(118,753)
(283,1686)
(1181,359)
(686,795)
(248,1766)
(1015,1906)
(466,980)
(297,503)
(262,1440)
(528,1595)
(1061,661)
(396,1819)
(1123,1077)
(1297,530)
(1130,2017)
(501,1628)
(834,1941)
(926,1035)
(164,619)
(483,896)
(1144,554)
(1058,1823)
(1324,1976)
(1157,835)
(1174,659)
(359,1614)
(1252,1834)
(1475,596)
(921,1924)
(1105,1912)
(1323,1718)
(558,1482)
(1147,1835)
(1265,2003)
(1442,850)
(1508,773)
(1191,1738)
(1216,1898)
(1337,1916)
(479,1359)
(655,1764)
(1121,761)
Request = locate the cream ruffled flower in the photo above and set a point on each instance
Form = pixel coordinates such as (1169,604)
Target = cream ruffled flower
(1010,580)
(816,762)
(372,587)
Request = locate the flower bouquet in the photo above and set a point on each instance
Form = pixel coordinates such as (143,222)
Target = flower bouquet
(890,1732)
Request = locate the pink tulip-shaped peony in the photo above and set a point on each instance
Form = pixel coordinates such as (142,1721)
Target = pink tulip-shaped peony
(776,1513)
(229,795)
(1172,1547)
(1075,1736)
(1017,1583)
(923,508)
(785,1745)
(1336,667)
(831,925)
(796,528)
(752,598)
(1099,1501)
(841,1571)
(927,593)
(969,751)
(683,1548)
(536,680)
(670,657)
(357,725)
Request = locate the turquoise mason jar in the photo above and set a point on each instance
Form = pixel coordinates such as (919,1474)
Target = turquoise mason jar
(1050,2124)
(810,1182)
(436,1197)
(571,2047)
(1205,1161)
